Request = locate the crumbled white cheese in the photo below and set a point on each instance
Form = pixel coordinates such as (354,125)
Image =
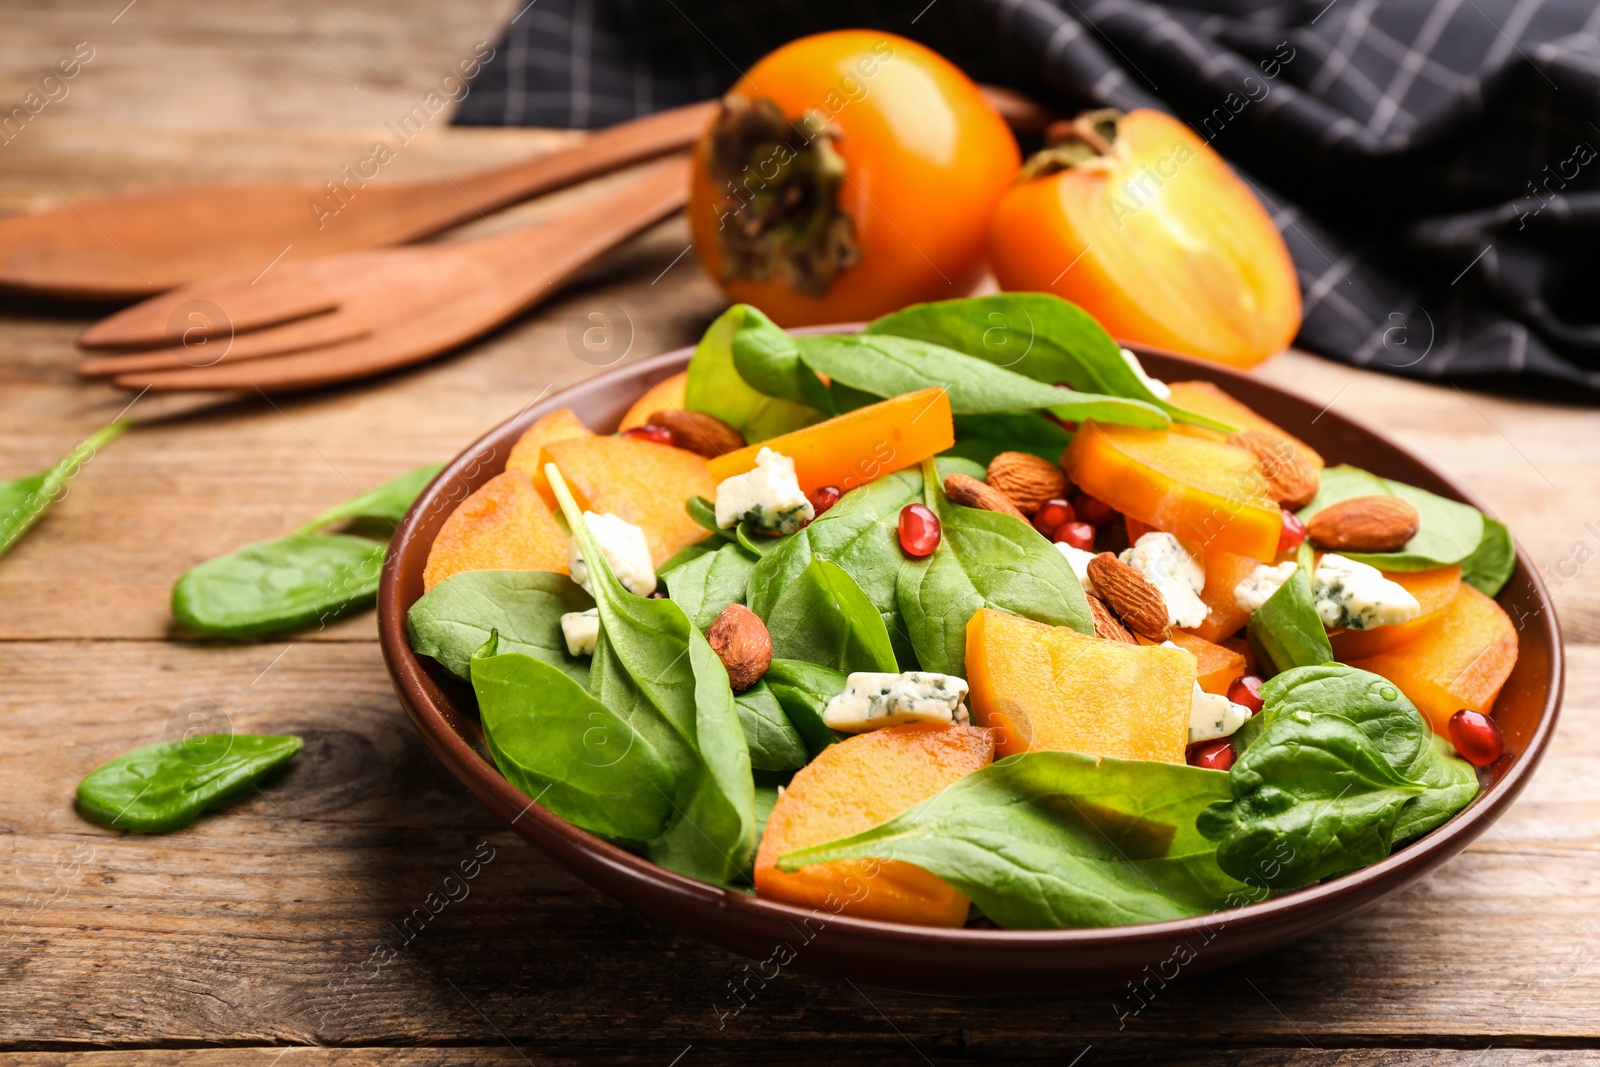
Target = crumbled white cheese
(625,548)
(1214,715)
(1078,560)
(1160,388)
(582,630)
(1176,574)
(768,495)
(1358,597)
(871,701)
(1257,588)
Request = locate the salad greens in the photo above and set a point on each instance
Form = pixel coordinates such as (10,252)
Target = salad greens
(804,689)
(1342,768)
(522,609)
(1448,533)
(821,616)
(166,786)
(1050,840)
(705,585)
(714,386)
(23,500)
(1489,567)
(293,581)
(1287,631)
(775,744)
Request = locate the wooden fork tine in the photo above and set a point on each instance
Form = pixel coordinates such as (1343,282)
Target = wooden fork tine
(318,331)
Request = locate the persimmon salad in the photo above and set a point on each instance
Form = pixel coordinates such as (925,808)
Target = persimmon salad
(966,618)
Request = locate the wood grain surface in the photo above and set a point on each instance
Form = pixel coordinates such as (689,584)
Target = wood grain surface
(362,909)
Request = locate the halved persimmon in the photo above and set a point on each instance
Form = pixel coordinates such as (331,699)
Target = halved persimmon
(1136,220)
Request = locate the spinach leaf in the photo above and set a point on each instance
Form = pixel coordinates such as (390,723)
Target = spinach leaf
(774,743)
(271,586)
(568,751)
(755,541)
(1491,563)
(984,559)
(703,512)
(1286,631)
(766,800)
(804,689)
(715,387)
(166,786)
(886,366)
(822,616)
(980,438)
(686,554)
(704,586)
(655,670)
(1037,334)
(22,501)
(1343,767)
(768,359)
(1448,533)
(1056,840)
(454,619)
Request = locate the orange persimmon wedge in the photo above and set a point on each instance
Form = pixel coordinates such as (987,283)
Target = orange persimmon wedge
(1209,495)
(853,786)
(665,395)
(528,455)
(1459,659)
(640,481)
(503,525)
(1435,590)
(1050,688)
(1204,398)
(854,448)
(1218,666)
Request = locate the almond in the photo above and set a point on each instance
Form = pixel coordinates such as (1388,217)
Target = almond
(741,642)
(1106,624)
(967,491)
(1130,595)
(1364,524)
(1291,479)
(1027,479)
(695,431)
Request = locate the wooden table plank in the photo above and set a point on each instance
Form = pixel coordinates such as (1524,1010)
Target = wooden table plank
(507,1056)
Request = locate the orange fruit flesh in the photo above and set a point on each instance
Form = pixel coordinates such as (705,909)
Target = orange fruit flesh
(503,525)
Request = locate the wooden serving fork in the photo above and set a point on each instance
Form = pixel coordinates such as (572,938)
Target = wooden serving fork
(317,321)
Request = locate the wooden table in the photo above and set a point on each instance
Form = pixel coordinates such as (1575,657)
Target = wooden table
(272,933)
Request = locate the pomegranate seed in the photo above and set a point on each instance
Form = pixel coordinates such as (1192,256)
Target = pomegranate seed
(919,530)
(1051,514)
(1063,423)
(1216,755)
(1476,737)
(1076,534)
(650,432)
(1294,531)
(1246,692)
(824,498)
(1096,513)
(658,594)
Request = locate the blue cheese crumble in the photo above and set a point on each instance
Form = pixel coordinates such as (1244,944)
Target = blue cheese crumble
(1259,585)
(871,701)
(1358,597)
(581,630)
(1078,559)
(1177,575)
(1213,715)
(625,548)
(1160,389)
(768,496)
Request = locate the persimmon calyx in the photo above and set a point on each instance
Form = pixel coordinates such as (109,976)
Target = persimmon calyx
(1086,142)
(778,184)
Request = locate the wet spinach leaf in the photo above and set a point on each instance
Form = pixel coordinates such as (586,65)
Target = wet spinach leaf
(23,500)
(453,619)
(166,786)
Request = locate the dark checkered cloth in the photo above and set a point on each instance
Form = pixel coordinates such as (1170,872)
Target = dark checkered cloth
(1432,164)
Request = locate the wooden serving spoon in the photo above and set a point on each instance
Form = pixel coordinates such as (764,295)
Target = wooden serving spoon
(130,247)
(338,317)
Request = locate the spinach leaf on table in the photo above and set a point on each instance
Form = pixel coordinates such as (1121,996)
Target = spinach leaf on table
(774,743)
(453,619)
(166,786)
(822,616)
(23,500)
(715,387)
(567,750)
(1343,767)
(654,669)
(704,586)
(293,581)
(984,559)
(1448,533)
(1286,631)
(803,690)
(1037,334)
(1491,563)
(1056,840)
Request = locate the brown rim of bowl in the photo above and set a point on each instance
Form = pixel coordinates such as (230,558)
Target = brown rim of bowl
(430,710)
